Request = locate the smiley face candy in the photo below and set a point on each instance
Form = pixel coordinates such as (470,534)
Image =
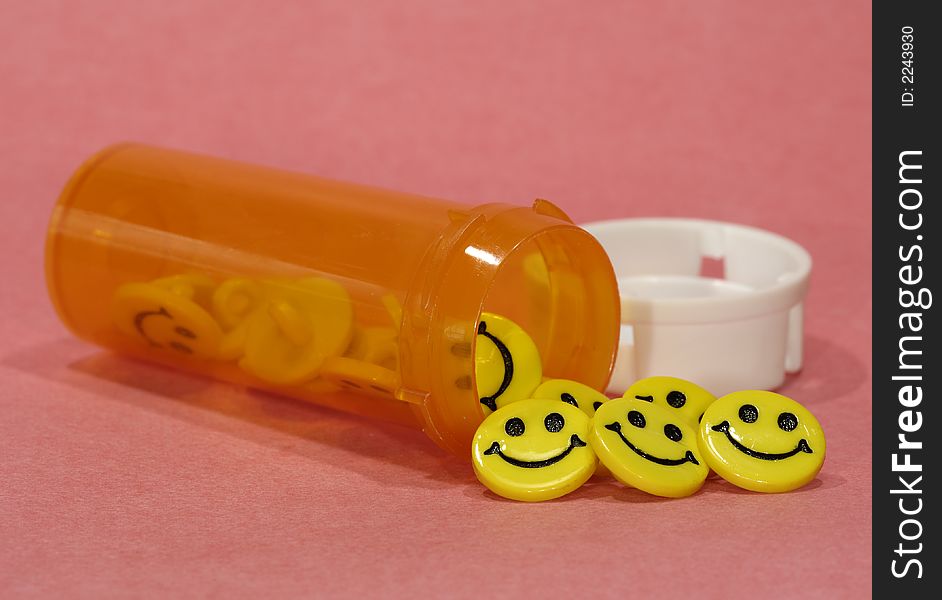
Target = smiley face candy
(686,398)
(507,365)
(571,392)
(302,324)
(166,317)
(647,447)
(762,441)
(533,450)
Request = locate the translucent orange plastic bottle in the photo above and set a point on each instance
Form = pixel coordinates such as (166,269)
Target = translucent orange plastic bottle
(355,298)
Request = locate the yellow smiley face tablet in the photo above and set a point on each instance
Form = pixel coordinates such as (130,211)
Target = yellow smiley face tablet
(507,365)
(762,441)
(166,319)
(688,399)
(647,447)
(571,392)
(533,450)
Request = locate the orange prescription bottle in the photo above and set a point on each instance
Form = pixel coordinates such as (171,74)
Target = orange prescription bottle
(350,297)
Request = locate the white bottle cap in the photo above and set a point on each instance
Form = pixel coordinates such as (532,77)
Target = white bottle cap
(737,328)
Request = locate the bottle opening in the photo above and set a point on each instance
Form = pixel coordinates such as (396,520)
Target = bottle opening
(549,278)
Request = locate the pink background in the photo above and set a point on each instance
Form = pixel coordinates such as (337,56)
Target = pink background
(119,478)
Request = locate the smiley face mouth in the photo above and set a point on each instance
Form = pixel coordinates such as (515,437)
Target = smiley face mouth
(140,317)
(668,462)
(574,442)
(801,447)
(507,357)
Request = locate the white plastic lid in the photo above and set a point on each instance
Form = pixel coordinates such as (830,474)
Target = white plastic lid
(716,303)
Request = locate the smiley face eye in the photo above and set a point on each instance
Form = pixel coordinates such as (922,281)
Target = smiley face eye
(787,421)
(676,399)
(181,347)
(748,413)
(673,432)
(596,405)
(183,331)
(554,422)
(515,427)
(636,418)
(568,399)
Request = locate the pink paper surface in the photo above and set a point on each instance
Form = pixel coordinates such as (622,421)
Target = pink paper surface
(120,478)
